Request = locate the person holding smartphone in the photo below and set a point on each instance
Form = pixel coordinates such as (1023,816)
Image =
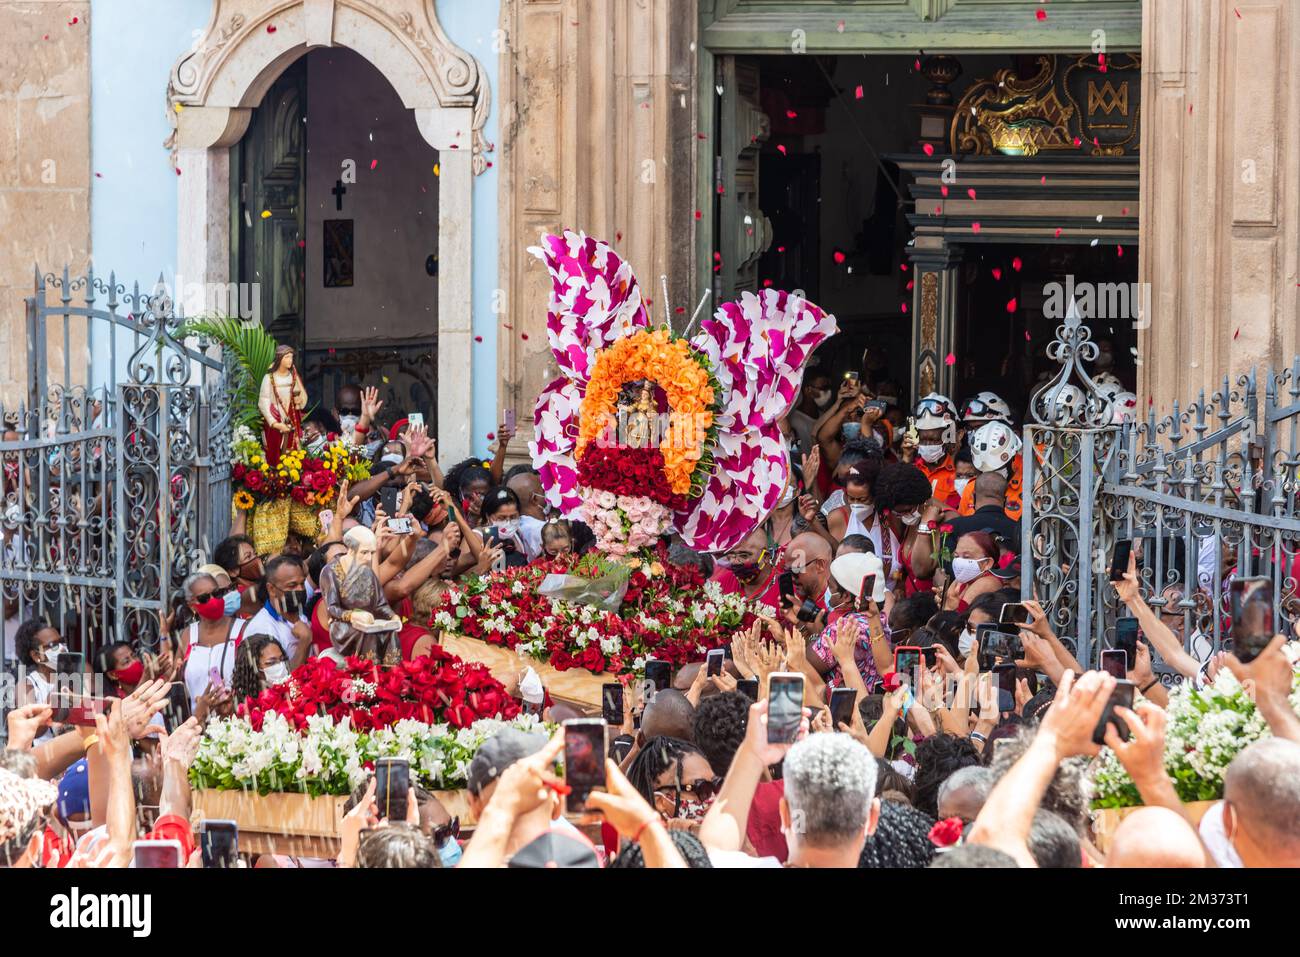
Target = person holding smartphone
(283,614)
(37,646)
(211,638)
(501,513)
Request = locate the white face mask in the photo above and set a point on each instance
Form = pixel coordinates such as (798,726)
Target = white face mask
(277,673)
(52,654)
(911,519)
(508,527)
(960,484)
(967,569)
(931,453)
(821,396)
(861,511)
(966,641)
(786,497)
(349,425)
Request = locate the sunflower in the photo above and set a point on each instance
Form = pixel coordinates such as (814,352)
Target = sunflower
(243,501)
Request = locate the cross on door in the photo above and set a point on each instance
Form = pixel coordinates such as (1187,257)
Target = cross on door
(338,191)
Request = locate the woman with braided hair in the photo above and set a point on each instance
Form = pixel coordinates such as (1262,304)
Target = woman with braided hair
(675,779)
(260,662)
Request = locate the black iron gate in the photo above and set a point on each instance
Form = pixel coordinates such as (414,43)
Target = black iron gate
(115,467)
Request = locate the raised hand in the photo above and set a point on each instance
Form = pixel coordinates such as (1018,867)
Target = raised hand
(25,724)
(142,704)
(1073,716)
(811,464)
(1143,754)
(370,404)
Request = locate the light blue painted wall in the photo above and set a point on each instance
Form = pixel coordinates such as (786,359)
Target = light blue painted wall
(470,24)
(133,44)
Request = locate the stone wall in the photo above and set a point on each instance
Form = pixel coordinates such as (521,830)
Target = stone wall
(45,168)
(598,134)
(1220,233)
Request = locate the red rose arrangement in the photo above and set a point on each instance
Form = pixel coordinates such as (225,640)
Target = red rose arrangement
(668,612)
(439,688)
(628,471)
(947,832)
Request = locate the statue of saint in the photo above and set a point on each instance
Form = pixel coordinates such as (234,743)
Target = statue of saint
(355,600)
(641,418)
(281,401)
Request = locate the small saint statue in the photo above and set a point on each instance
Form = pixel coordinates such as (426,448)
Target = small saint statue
(641,418)
(356,604)
(281,401)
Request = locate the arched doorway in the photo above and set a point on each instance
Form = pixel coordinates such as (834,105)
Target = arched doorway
(215,88)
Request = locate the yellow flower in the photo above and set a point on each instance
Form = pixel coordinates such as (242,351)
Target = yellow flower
(243,501)
(656,569)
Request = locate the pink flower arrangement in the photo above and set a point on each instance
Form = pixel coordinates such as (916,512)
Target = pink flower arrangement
(623,524)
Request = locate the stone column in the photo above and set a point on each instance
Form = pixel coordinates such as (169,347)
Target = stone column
(598,134)
(934,311)
(1220,224)
(455,294)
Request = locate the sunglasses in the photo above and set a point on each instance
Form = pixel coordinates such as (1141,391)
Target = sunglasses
(703,790)
(209,595)
(444,832)
(350,411)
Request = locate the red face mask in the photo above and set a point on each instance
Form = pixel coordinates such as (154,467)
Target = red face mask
(211,610)
(131,674)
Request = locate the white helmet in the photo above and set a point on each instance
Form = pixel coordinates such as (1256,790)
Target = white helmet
(993,446)
(936,411)
(1108,379)
(1124,408)
(1070,403)
(986,407)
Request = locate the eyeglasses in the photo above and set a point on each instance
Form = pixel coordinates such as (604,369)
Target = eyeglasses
(350,411)
(444,832)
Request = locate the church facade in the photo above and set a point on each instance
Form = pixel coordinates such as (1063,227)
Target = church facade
(366,176)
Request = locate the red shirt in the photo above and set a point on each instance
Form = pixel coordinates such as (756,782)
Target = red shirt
(173,827)
(764,826)
(769,592)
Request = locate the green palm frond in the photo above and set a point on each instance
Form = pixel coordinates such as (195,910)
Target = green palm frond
(252,347)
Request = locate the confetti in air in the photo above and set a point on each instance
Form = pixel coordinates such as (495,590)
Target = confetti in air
(971,192)
(1011,305)
(374,163)
(858,91)
(270,28)
(974,227)
(781,148)
(950,360)
(1016,263)
(997,273)
(928,148)
(838,256)
(266,214)
(1041,14)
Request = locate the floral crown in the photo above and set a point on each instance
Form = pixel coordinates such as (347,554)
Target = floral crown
(644,430)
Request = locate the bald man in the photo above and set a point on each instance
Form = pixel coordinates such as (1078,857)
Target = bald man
(1156,837)
(809,556)
(1261,804)
(989,514)
(669,713)
(532,514)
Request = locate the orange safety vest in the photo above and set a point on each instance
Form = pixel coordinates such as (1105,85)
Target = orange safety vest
(942,477)
(1013,503)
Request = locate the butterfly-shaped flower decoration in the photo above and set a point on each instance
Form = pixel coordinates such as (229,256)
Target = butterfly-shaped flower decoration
(715,462)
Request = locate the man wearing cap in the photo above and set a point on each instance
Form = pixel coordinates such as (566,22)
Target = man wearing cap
(848,573)
(542,837)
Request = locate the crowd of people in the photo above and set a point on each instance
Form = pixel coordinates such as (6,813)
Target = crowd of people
(898,529)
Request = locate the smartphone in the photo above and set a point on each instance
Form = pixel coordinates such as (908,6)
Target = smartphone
(1252,617)
(510,419)
(748,687)
(415,420)
(907,658)
(875,404)
(1014,613)
(388,499)
(294,604)
(1004,677)
(808,611)
(68,664)
(659,673)
(400,526)
(1126,640)
(785,582)
(215,678)
(996,642)
(584,760)
(1114,661)
(1119,559)
(714,660)
(156,854)
(83,713)
(219,842)
(866,593)
(1121,697)
(611,702)
(930,655)
(392,787)
(843,701)
(853,376)
(784,707)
